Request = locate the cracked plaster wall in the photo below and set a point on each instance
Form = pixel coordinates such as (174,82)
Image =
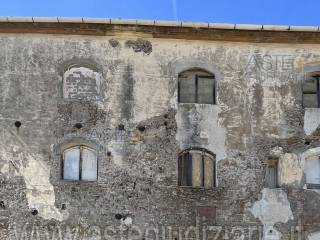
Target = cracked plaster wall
(259,108)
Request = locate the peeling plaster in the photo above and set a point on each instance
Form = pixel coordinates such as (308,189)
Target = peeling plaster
(290,167)
(314,236)
(272,208)
(312,152)
(290,170)
(40,192)
(127,221)
(311,120)
(142,181)
(35,172)
(199,126)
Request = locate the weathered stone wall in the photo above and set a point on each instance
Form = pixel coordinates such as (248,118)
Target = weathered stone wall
(123,92)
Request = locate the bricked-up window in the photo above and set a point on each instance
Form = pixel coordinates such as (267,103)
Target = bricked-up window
(196,86)
(80,163)
(272,173)
(311,90)
(312,171)
(82,83)
(196,169)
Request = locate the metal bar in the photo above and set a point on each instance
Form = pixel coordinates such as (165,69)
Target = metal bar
(178,89)
(62,165)
(276,173)
(80,164)
(310,93)
(97,162)
(196,95)
(189,169)
(318,91)
(214,91)
(202,184)
(180,173)
(214,172)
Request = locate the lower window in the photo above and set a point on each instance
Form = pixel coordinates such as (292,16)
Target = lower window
(80,163)
(196,169)
(312,171)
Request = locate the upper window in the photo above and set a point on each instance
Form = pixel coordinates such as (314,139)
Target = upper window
(196,86)
(196,169)
(80,163)
(311,91)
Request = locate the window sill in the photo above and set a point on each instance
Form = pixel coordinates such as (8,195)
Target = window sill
(313,186)
(199,189)
(200,104)
(185,192)
(76,182)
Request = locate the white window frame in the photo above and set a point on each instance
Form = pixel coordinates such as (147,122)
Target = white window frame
(310,153)
(81,148)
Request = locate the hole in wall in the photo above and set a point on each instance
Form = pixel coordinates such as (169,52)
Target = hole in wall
(121,127)
(141,128)
(17,124)
(108,154)
(118,216)
(307,141)
(2,205)
(34,212)
(63,206)
(78,125)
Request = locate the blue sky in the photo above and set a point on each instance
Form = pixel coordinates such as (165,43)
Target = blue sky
(288,12)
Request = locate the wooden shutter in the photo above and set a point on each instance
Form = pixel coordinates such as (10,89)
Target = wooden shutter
(205,90)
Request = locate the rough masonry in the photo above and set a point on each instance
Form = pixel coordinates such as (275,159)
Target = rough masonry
(115,87)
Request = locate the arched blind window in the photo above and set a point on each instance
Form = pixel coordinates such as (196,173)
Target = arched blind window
(80,163)
(196,86)
(196,169)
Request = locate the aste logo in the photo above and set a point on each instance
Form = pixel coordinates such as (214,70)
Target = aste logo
(267,63)
(266,67)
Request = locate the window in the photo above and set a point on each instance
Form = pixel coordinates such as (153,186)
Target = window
(311,91)
(196,169)
(272,174)
(80,163)
(312,171)
(196,86)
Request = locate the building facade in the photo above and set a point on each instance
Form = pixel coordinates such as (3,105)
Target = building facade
(155,130)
